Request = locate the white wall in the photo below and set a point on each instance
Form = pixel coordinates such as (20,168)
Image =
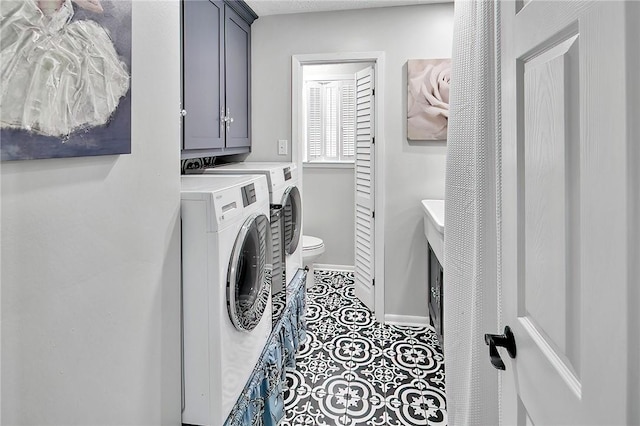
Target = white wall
(414,170)
(91,263)
(633,99)
(328,203)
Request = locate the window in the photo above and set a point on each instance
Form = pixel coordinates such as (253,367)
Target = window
(330,120)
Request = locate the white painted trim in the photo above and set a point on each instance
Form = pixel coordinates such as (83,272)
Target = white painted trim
(331,77)
(328,165)
(406,320)
(378,58)
(337,58)
(329,267)
(380,187)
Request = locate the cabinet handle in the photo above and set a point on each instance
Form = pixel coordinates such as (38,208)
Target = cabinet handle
(223,119)
(435,293)
(183,112)
(228,119)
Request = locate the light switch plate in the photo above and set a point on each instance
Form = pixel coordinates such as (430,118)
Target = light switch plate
(283,145)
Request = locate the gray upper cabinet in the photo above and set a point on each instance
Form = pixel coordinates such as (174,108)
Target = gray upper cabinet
(216,77)
(203,74)
(237,59)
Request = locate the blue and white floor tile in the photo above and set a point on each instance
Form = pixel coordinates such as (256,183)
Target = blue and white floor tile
(353,371)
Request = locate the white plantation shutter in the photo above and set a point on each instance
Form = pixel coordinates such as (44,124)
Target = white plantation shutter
(347,119)
(314,123)
(365,224)
(330,120)
(331,134)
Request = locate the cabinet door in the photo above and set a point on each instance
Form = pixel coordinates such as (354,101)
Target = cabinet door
(237,66)
(436,303)
(203,79)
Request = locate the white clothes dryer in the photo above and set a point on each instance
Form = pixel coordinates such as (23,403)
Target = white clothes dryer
(283,181)
(226,300)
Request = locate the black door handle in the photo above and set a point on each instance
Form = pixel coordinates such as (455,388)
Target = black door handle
(505,340)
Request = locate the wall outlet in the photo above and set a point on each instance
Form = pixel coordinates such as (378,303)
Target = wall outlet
(283,146)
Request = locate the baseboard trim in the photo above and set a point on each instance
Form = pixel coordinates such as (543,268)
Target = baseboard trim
(406,320)
(328,267)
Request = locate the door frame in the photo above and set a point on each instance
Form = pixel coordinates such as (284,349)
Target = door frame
(377,58)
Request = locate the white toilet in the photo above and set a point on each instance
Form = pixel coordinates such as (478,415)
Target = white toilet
(312,248)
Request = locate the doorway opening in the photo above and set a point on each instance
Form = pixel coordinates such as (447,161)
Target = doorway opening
(337,128)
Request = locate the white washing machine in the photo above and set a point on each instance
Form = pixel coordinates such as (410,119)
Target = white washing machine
(226,301)
(283,187)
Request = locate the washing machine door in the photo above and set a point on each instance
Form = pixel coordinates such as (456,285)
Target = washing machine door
(247,289)
(292,212)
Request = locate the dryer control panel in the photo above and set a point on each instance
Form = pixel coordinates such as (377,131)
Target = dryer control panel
(227,198)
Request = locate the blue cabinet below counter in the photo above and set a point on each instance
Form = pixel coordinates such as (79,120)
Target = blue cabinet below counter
(435,297)
(434,229)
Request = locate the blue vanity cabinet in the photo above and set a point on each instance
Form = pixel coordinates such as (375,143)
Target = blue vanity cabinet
(436,304)
(216,74)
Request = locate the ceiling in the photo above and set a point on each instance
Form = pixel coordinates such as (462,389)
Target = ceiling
(280,7)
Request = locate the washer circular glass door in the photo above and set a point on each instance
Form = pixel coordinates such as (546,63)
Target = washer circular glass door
(292,208)
(247,291)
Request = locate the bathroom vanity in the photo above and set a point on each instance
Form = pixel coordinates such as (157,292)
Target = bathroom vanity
(434,232)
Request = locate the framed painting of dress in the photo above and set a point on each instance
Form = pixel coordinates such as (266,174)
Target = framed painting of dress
(65,69)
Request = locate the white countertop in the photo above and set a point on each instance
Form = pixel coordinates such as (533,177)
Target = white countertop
(434,209)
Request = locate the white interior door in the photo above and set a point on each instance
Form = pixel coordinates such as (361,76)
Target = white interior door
(566,190)
(364,187)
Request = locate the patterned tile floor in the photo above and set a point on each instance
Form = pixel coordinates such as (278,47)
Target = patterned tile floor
(354,371)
